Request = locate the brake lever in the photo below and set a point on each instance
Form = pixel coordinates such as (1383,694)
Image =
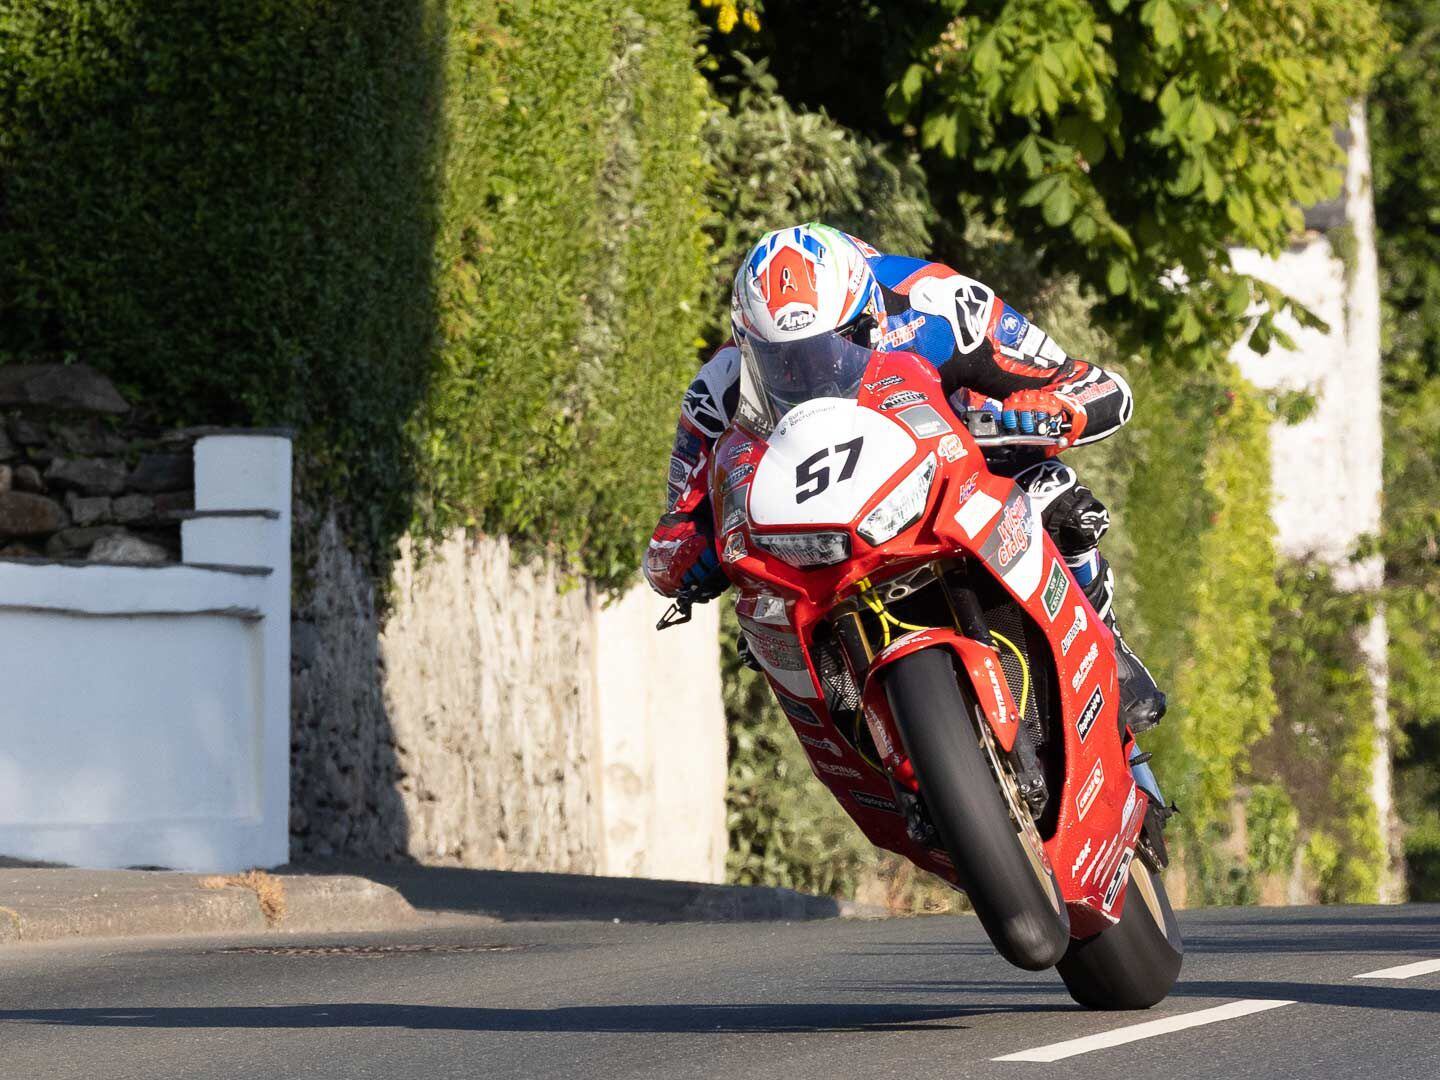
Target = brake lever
(678,613)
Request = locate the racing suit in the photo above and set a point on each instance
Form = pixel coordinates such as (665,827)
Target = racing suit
(989,356)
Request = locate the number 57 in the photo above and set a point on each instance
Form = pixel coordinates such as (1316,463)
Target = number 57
(811,471)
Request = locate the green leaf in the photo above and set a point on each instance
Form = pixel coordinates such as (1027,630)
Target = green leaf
(1039,192)
(1059,204)
(912,83)
(1083,134)
(1237,297)
(1117,277)
(1160,16)
(939,129)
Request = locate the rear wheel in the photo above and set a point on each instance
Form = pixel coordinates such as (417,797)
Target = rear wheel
(1133,964)
(975,807)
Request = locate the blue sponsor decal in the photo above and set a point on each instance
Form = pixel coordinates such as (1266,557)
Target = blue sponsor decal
(1011,328)
(798,711)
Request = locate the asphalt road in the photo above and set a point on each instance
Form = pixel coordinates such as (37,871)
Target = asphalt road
(897,998)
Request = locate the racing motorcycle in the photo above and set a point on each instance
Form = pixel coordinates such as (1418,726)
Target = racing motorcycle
(951,684)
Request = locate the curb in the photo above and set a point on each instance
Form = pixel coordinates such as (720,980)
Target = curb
(58,904)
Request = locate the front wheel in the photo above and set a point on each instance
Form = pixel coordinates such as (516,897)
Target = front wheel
(1133,964)
(989,837)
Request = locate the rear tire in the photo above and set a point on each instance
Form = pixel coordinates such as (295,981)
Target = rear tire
(936,714)
(1133,964)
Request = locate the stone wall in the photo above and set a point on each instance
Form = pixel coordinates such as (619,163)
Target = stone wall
(82,476)
(500,717)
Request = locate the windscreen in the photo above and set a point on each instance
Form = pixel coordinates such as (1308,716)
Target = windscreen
(777,376)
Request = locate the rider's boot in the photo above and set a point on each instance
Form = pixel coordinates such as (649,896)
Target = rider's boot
(1142,703)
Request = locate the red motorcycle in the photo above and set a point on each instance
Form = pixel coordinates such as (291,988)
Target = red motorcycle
(950,682)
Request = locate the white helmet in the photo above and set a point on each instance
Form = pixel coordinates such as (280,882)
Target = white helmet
(806,312)
(802,281)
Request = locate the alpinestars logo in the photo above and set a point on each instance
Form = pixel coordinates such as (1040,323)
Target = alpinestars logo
(699,405)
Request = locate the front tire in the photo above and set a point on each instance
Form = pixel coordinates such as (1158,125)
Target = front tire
(1011,887)
(1133,964)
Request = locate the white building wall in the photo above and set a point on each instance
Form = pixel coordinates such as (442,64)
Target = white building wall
(145,720)
(1327,468)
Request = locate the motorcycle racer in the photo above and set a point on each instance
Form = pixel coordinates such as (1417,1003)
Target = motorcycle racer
(803,286)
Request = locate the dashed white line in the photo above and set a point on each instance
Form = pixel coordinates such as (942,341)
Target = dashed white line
(1147,1030)
(1403,971)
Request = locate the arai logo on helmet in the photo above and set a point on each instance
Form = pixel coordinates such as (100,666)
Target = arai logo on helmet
(796,319)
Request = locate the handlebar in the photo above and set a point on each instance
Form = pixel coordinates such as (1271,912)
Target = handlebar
(986,430)
(1021,440)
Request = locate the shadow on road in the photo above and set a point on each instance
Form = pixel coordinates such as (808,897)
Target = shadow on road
(652,1019)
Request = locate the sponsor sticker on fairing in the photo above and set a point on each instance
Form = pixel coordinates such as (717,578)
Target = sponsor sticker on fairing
(1086,663)
(995,690)
(951,448)
(1085,797)
(838,770)
(887,381)
(822,744)
(1130,801)
(1076,628)
(900,399)
(798,711)
(1080,859)
(1014,529)
(874,802)
(1089,714)
(876,723)
(737,474)
(733,507)
(924,421)
(1112,891)
(1056,586)
(735,548)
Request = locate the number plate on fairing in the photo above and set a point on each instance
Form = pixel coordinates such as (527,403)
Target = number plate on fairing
(825,461)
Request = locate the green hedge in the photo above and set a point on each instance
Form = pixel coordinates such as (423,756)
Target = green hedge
(457,245)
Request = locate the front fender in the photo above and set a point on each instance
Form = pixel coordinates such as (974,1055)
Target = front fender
(980,662)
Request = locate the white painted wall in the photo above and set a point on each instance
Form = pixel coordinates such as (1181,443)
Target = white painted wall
(1327,469)
(145,718)
(662,756)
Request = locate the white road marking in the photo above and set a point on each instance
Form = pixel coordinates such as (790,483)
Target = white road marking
(1147,1030)
(1404,971)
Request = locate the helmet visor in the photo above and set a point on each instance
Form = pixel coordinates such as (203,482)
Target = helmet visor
(778,375)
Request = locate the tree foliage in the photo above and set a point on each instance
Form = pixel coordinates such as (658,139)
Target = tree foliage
(1134,142)
(459,246)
